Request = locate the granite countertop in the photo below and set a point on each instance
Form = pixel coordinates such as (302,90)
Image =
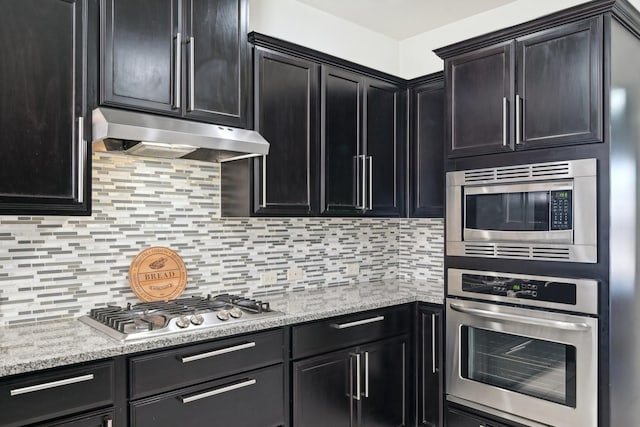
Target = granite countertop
(25,348)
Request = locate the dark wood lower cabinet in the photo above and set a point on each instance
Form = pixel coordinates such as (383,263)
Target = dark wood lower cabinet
(458,417)
(323,391)
(99,419)
(253,399)
(430,395)
(361,386)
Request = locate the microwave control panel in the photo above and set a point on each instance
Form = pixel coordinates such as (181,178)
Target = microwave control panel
(520,288)
(561,210)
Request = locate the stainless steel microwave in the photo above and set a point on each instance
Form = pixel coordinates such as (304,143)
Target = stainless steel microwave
(541,211)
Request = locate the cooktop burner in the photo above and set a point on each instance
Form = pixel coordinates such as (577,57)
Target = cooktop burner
(150,319)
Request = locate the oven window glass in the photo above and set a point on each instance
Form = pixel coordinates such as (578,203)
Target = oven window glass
(526,211)
(542,369)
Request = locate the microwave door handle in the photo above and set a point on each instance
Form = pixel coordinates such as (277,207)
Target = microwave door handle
(555,324)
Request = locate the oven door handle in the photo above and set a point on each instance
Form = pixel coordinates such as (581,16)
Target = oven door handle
(555,324)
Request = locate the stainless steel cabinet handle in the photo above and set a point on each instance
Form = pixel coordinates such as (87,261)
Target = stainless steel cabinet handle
(364,181)
(358,379)
(192,73)
(82,154)
(370,182)
(357,323)
(518,119)
(217,352)
(433,343)
(505,122)
(555,324)
(52,384)
(220,390)
(178,67)
(366,374)
(264,182)
(358,183)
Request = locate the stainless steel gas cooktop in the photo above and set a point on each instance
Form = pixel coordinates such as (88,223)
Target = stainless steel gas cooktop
(152,319)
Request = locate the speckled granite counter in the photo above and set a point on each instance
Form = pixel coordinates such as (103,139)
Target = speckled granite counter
(32,347)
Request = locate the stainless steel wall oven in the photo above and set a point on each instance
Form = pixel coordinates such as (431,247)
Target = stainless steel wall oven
(509,358)
(544,211)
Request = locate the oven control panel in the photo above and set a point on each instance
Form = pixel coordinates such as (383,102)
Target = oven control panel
(540,290)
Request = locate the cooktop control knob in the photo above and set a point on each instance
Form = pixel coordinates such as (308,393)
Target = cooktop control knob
(182,322)
(197,319)
(223,315)
(235,312)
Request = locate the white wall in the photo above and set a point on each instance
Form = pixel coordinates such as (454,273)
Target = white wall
(413,57)
(307,26)
(417,58)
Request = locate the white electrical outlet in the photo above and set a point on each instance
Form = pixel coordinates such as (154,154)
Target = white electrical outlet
(295,273)
(269,277)
(353,269)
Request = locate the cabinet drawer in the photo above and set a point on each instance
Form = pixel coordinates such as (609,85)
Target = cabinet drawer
(40,396)
(96,419)
(169,370)
(253,399)
(345,331)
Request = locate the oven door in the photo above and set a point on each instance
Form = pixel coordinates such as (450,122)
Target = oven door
(536,365)
(532,212)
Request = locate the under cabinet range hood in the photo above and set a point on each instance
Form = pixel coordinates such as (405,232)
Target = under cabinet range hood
(142,134)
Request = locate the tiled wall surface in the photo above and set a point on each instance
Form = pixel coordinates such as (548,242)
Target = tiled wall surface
(53,267)
(421,249)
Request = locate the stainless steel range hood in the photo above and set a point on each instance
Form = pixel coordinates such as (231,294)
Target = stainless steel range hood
(149,135)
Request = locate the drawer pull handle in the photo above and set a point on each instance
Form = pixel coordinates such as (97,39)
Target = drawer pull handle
(357,323)
(217,352)
(217,391)
(52,384)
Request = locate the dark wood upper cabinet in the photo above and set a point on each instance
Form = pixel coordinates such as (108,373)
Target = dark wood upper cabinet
(44,166)
(141,62)
(190,58)
(426,149)
(560,85)
(481,87)
(361,145)
(538,90)
(343,158)
(217,61)
(286,99)
(384,148)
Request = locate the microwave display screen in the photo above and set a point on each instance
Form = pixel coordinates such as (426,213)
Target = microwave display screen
(523,211)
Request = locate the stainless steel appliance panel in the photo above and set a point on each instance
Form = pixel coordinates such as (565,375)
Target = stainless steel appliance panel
(539,365)
(577,243)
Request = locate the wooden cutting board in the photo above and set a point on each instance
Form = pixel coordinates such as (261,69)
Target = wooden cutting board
(157,274)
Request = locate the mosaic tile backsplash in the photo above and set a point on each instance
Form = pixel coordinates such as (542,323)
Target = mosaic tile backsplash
(55,267)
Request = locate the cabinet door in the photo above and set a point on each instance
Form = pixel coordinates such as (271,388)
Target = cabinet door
(343,160)
(430,392)
(383,125)
(560,85)
(384,390)
(285,181)
(426,148)
(141,64)
(43,166)
(479,107)
(217,61)
(323,391)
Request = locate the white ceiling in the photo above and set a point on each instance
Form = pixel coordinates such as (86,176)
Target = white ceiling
(401,19)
